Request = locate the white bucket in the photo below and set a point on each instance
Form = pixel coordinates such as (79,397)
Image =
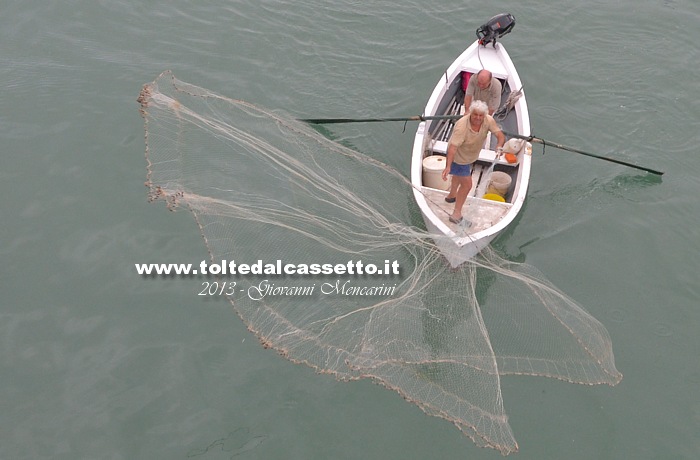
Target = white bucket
(499,184)
(433,166)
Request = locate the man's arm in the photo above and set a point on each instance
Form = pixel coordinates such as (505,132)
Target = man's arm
(495,101)
(467,103)
(501,139)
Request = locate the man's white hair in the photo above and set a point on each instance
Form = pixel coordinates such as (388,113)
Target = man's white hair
(479,107)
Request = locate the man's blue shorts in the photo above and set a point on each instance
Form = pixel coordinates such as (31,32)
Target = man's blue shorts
(460,170)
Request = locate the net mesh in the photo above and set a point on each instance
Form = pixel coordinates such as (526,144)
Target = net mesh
(263,186)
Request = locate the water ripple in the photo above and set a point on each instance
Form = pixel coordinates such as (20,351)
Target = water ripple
(663,330)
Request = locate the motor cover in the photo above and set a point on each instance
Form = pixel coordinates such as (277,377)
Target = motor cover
(495,28)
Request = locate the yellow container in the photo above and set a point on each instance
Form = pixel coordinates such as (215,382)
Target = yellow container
(494,197)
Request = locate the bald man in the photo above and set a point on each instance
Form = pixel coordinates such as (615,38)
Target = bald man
(485,87)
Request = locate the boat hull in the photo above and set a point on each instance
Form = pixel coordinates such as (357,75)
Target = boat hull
(461,242)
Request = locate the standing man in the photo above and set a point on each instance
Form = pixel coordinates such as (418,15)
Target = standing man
(485,87)
(463,149)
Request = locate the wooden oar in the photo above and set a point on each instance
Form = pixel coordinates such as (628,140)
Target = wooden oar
(571,149)
(322,121)
(326,121)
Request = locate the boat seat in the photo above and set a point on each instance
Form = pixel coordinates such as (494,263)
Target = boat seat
(500,73)
(487,155)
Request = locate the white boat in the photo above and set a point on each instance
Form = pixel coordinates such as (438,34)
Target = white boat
(484,218)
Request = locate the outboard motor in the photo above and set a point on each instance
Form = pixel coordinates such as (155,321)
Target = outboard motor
(497,27)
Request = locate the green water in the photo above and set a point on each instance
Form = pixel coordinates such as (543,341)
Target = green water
(99,362)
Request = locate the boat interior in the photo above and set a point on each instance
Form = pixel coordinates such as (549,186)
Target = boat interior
(480,212)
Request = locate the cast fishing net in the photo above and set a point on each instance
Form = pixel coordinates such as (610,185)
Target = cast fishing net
(262,186)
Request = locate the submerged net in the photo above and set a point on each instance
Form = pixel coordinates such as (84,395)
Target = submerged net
(263,186)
